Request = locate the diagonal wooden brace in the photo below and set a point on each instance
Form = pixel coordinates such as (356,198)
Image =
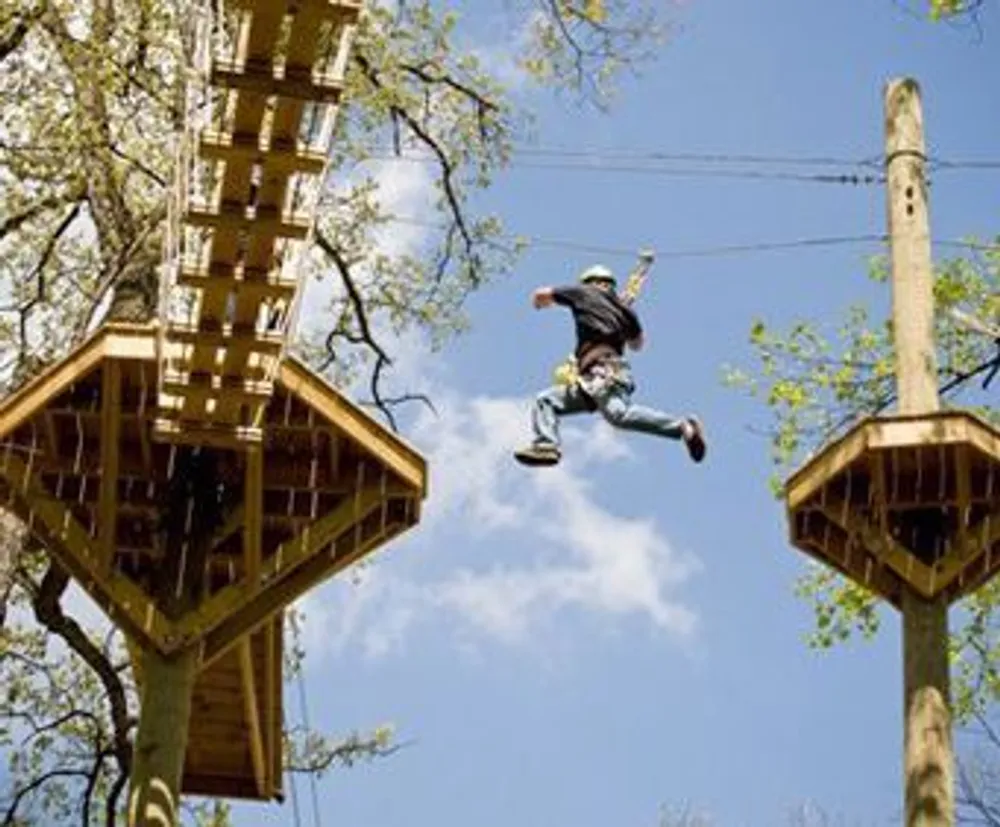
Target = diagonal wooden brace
(880,544)
(81,556)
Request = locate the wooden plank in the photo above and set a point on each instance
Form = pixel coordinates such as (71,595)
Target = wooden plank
(344,11)
(242,219)
(388,448)
(124,601)
(255,281)
(876,467)
(915,431)
(820,469)
(252,713)
(272,699)
(145,446)
(307,576)
(111,408)
(265,24)
(27,400)
(253,505)
(121,340)
(186,432)
(232,524)
(980,537)
(985,437)
(208,384)
(963,483)
(906,565)
(225,146)
(264,80)
(230,336)
(312,540)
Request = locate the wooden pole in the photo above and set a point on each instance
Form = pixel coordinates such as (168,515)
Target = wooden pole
(928,760)
(161,742)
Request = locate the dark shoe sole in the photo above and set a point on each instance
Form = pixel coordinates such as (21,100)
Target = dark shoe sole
(534,457)
(696,442)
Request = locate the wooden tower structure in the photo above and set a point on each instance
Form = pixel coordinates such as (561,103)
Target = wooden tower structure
(192,475)
(905,501)
(908,505)
(327,486)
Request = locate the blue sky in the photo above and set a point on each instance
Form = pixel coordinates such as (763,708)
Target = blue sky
(581,646)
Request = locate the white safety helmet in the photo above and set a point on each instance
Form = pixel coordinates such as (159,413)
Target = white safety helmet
(598,273)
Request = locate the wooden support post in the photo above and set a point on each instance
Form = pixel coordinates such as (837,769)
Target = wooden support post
(258,755)
(253,505)
(928,760)
(111,418)
(161,742)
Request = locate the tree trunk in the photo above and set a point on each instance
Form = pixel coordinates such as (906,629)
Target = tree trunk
(161,742)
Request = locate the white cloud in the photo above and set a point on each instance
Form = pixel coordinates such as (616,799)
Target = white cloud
(552,546)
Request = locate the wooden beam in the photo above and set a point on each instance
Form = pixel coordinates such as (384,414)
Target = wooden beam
(111,408)
(209,385)
(821,468)
(31,397)
(144,414)
(392,451)
(273,633)
(226,437)
(246,220)
(51,435)
(252,712)
(268,281)
(963,483)
(253,504)
(905,564)
(263,80)
(225,145)
(290,554)
(342,11)
(232,524)
(833,550)
(268,601)
(252,340)
(70,542)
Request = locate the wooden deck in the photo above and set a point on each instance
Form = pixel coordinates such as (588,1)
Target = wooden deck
(904,499)
(247,179)
(327,486)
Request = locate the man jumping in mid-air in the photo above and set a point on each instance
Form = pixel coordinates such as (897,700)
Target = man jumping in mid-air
(604,326)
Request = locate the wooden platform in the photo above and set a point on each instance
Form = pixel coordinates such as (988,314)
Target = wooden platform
(327,486)
(235,738)
(904,499)
(242,209)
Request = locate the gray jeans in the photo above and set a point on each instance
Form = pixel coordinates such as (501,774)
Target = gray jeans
(611,393)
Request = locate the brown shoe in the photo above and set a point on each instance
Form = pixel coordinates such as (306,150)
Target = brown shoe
(694,439)
(538,455)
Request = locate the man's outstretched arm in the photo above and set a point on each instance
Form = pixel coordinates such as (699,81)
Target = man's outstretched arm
(636,342)
(543,297)
(567,295)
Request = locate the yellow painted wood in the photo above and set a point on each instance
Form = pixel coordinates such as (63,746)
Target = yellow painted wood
(125,602)
(313,539)
(253,503)
(254,734)
(111,410)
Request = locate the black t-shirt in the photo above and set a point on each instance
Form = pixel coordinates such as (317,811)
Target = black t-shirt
(603,322)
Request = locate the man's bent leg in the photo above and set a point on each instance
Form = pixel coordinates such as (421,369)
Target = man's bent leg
(550,405)
(618,409)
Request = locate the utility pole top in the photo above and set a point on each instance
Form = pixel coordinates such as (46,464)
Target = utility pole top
(909,239)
